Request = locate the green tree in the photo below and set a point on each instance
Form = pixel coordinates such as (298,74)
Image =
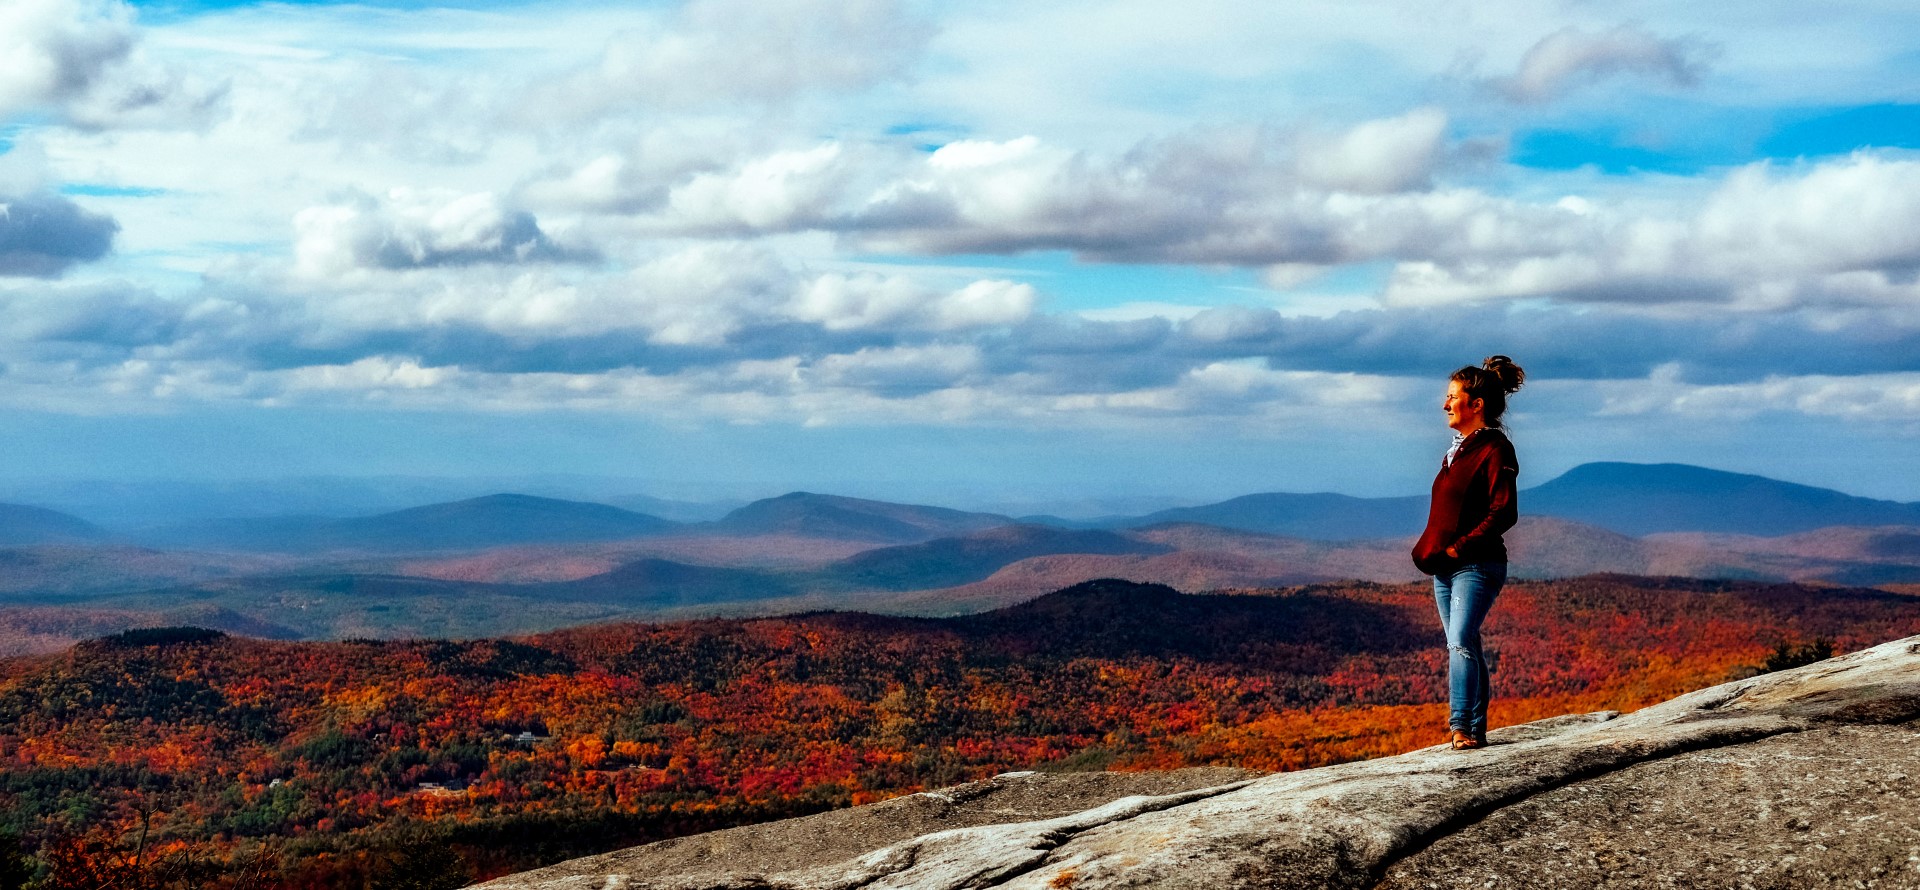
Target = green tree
(1787,656)
(16,866)
(428,867)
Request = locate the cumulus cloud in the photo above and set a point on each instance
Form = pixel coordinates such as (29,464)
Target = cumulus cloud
(118,317)
(1228,196)
(375,373)
(414,229)
(783,191)
(710,150)
(80,60)
(1873,397)
(57,50)
(1393,154)
(1213,209)
(1835,233)
(940,385)
(844,302)
(1855,214)
(1571,58)
(894,372)
(731,337)
(609,183)
(45,235)
(743,52)
(703,303)
(704,294)
(1234,195)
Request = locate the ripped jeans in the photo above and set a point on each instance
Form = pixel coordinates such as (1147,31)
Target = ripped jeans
(1464,598)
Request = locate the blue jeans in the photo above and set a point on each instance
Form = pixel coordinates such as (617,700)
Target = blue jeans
(1464,598)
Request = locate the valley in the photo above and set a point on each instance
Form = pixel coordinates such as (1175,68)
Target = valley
(505,564)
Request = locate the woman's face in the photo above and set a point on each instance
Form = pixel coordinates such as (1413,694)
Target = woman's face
(1463,413)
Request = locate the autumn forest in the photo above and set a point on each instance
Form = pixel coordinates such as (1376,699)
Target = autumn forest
(183,757)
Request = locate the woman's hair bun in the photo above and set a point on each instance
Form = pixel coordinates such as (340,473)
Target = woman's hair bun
(1509,374)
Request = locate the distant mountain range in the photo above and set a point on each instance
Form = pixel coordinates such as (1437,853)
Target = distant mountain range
(477,523)
(832,516)
(512,563)
(962,560)
(948,576)
(1321,517)
(504,520)
(1632,499)
(23,526)
(1640,499)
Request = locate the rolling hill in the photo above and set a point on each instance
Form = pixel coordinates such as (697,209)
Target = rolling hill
(66,570)
(1875,556)
(1631,499)
(24,526)
(1640,499)
(660,583)
(514,564)
(469,596)
(1320,517)
(945,562)
(833,516)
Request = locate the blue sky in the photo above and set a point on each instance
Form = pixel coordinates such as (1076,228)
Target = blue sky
(988,253)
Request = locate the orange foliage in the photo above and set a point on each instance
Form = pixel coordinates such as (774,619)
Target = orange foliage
(351,751)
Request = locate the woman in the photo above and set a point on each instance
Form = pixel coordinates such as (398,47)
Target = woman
(1473,504)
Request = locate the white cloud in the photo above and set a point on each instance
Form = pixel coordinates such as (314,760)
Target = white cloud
(779,192)
(703,294)
(896,371)
(1866,398)
(742,52)
(415,229)
(80,61)
(1137,311)
(54,51)
(1237,195)
(699,295)
(985,304)
(1389,155)
(1836,232)
(1572,57)
(840,302)
(370,375)
(1853,214)
(744,168)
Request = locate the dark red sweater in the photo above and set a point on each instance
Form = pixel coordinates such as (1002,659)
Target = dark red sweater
(1474,503)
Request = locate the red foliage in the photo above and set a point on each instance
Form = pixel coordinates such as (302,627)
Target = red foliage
(353,754)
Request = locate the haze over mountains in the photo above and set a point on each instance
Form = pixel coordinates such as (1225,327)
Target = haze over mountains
(491,521)
(514,563)
(23,526)
(1632,499)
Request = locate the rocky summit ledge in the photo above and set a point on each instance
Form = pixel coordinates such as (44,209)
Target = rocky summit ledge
(1803,778)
